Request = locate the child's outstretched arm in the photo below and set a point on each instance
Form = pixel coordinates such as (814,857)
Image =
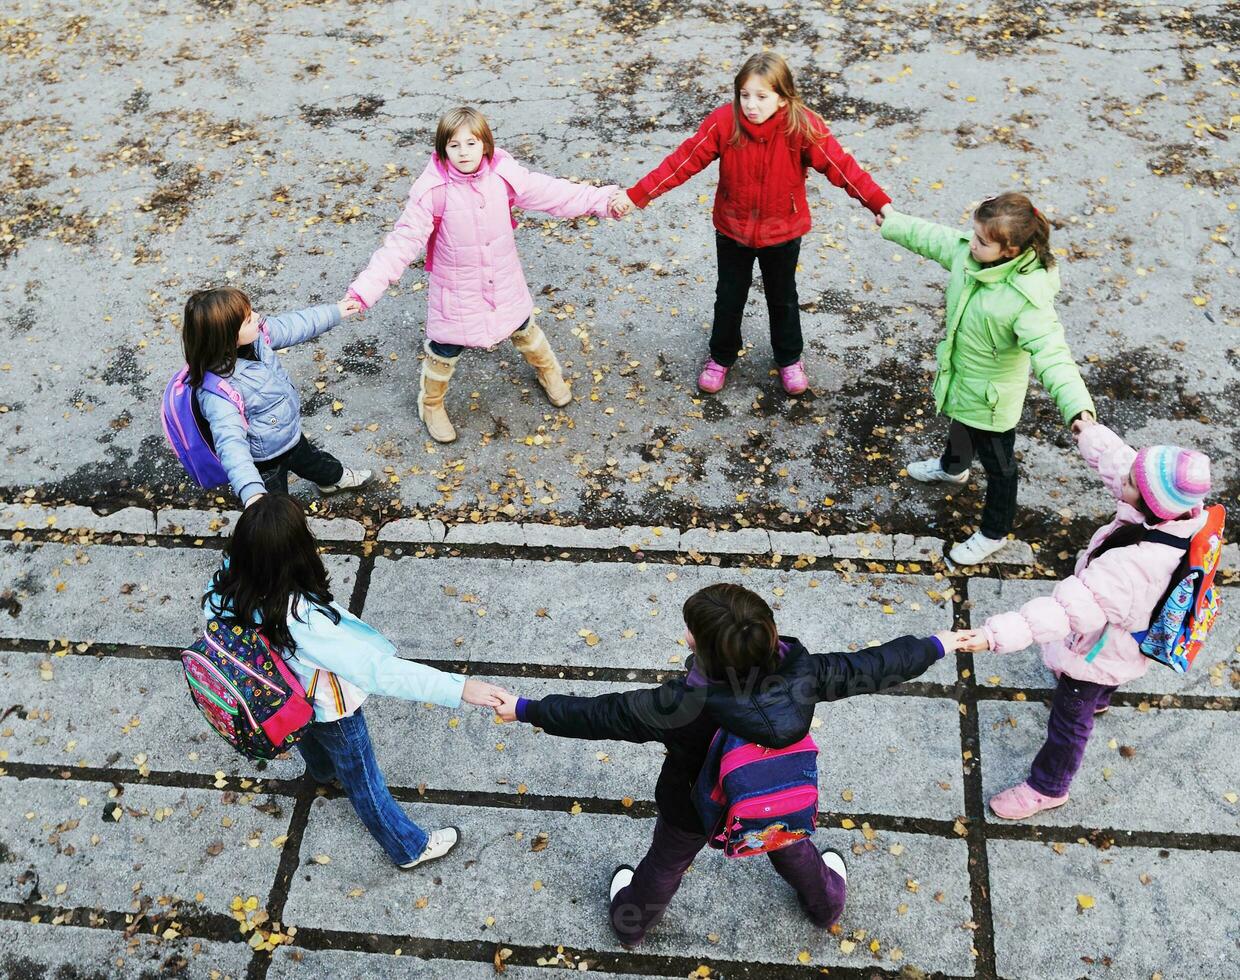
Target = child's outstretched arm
(555,195)
(842,675)
(929,240)
(289,329)
(1115,588)
(645,715)
(403,244)
(1040,333)
(1105,452)
(840,167)
(692,157)
(232,447)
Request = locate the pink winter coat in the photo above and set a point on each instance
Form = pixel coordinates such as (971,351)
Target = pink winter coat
(478,294)
(1115,593)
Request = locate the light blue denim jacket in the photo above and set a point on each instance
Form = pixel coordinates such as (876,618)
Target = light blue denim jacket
(357,654)
(272,405)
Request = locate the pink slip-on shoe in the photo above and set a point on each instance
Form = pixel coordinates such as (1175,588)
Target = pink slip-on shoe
(793,378)
(1018,802)
(713,377)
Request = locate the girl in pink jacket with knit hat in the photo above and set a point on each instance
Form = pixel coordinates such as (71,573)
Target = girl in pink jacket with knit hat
(1085,626)
(460,211)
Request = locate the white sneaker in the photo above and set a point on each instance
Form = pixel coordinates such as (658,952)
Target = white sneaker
(439,844)
(976,549)
(835,861)
(620,878)
(929,471)
(348,479)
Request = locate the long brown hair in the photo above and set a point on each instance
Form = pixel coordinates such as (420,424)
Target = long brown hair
(1011,220)
(209,329)
(273,562)
(803,123)
(733,631)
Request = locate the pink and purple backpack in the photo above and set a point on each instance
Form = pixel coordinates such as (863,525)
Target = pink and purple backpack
(187,431)
(753,799)
(245,690)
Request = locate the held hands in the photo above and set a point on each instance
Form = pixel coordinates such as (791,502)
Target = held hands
(483,694)
(507,708)
(619,205)
(349,307)
(1082,422)
(885,210)
(963,641)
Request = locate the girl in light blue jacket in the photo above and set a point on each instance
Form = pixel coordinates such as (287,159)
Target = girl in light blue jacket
(221,334)
(273,577)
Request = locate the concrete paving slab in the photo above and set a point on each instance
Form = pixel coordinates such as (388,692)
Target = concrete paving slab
(747,541)
(890,755)
(1151,770)
(1130,928)
(557,894)
(59,952)
(876,546)
(199,523)
(167,842)
(800,543)
(315,964)
(641,538)
(146,724)
(112,594)
(492,607)
(1216,671)
(568,536)
(413,530)
(499,533)
(40,517)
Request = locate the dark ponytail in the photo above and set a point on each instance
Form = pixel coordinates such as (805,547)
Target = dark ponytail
(1012,221)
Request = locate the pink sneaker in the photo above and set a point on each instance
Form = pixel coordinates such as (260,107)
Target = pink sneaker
(794,378)
(713,377)
(1022,801)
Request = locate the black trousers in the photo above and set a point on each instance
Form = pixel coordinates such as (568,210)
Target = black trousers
(997,452)
(779,278)
(306,460)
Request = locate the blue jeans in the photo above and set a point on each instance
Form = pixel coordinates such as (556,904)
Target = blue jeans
(342,749)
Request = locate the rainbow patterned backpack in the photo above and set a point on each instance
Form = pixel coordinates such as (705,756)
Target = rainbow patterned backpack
(1190,606)
(245,690)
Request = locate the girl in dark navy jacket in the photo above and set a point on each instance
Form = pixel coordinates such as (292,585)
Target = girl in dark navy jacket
(747,679)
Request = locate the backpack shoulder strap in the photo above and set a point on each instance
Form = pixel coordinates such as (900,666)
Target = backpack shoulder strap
(512,197)
(439,199)
(1162,537)
(216,385)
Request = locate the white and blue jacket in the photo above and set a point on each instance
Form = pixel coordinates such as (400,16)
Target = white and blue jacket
(272,405)
(343,663)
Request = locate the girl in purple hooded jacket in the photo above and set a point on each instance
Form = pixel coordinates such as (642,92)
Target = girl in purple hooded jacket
(460,212)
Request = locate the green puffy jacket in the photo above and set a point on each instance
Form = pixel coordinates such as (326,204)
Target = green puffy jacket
(1000,319)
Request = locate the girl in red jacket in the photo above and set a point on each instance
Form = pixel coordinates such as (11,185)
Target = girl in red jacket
(765,142)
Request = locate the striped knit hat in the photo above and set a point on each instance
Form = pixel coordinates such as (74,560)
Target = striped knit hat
(1173,481)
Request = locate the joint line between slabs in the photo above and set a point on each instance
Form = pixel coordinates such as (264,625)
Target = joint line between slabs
(985,963)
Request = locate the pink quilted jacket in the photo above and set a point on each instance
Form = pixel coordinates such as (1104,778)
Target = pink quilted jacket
(1115,594)
(478,294)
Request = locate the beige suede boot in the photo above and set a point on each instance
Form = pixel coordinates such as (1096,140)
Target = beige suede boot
(532,343)
(436,373)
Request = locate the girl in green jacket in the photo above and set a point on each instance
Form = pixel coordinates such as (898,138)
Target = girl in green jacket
(1000,320)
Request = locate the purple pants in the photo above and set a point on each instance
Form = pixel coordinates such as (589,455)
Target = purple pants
(1067,732)
(638,906)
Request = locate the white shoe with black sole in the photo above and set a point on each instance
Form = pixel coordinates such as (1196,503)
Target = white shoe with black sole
(348,480)
(930,471)
(438,844)
(620,878)
(835,861)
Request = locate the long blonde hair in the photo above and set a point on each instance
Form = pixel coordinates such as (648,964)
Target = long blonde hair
(774,70)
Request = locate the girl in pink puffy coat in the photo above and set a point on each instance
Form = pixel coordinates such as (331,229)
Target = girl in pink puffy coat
(460,212)
(1085,626)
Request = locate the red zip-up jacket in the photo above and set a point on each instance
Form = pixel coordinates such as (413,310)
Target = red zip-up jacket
(761,196)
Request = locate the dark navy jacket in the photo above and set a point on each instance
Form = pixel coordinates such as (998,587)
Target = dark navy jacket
(774,710)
